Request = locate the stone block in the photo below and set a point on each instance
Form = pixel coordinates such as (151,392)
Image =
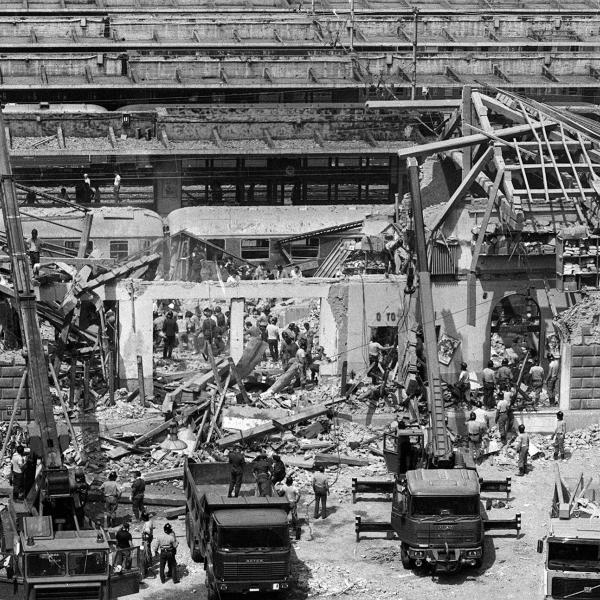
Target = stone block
(582,372)
(575,404)
(579,394)
(588,382)
(588,361)
(578,361)
(575,382)
(590,403)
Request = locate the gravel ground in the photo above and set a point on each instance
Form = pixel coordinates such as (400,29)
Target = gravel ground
(330,564)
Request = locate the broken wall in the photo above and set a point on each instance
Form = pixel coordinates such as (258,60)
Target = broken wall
(349,309)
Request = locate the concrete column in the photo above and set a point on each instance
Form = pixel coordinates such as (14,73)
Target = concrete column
(236,339)
(167,186)
(565,377)
(328,338)
(135,340)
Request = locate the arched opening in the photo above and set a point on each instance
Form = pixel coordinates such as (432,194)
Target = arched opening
(515,329)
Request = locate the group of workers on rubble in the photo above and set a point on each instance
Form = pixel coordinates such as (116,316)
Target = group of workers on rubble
(270,477)
(292,345)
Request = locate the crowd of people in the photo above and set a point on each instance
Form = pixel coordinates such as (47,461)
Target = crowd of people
(194,331)
(498,382)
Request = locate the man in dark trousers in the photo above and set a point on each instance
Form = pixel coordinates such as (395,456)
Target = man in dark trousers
(138,487)
(488,378)
(169,330)
(124,540)
(262,474)
(278,469)
(321,489)
(522,448)
(166,544)
(237,462)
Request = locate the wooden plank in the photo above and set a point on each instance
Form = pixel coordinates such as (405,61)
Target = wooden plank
(164,475)
(233,371)
(462,189)
(213,366)
(341,459)
(285,422)
(173,513)
(219,407)
(251,356)
(468,140)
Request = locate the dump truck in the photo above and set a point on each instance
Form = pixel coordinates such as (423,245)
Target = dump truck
(244,542)
(571,548)
(437,512)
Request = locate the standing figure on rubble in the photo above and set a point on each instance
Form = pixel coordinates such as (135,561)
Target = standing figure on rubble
(536,380)
(560,431)
(237,462)
(552,378)
(488,378)
(522,448)
(502,415)
(375,356)
(138,488)
(167,543)
(35,248)
(476,430)
(112,492)
(504,376)
(169,330)
(464,385)
(262,473)
(273,338)
(17,465)
(321,489)
(278,469)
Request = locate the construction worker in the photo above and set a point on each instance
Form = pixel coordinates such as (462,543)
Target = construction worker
(464,385)
(292,495)
(278,469)
(169,330)
(124,540)
(488,378)
(262,474)
(504,376)
(166,545)
(138,487)
(475,430)
(521,445)
(536,380)
(560,431)
(375,355)
(112,492)
(502,409)
(552,378)
(35,248)
(237,462)
(321,489)
(17,466)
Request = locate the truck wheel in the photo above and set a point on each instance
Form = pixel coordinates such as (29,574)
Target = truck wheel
(407,562)
(479,562)
(196,553)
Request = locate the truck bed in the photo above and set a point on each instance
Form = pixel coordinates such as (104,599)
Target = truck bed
(211,484)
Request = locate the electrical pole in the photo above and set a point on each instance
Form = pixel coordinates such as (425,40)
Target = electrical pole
(413,91)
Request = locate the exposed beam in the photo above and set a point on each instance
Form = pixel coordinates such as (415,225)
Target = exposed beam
(547,73)
(452,74)
(216,137)
(461,190)
(112,138)
(500,74)
(268,139)
(88,74)
(61,137)
(470,140)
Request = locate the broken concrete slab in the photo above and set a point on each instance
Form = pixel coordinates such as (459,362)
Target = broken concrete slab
(173,513)
(341,459)
(286,422)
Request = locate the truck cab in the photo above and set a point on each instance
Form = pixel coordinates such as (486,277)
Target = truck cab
(61,565)
(436,514)
(571,547)
(249,550)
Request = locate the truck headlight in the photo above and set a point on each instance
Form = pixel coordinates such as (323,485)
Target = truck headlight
(223,587)
(473,553)
(275,586)
(419,554)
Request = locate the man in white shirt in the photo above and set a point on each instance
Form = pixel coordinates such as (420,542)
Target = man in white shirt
(117,187)
(273,338)
(17,467)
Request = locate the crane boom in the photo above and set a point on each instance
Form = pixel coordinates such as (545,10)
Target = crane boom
(27,305)
(437,414)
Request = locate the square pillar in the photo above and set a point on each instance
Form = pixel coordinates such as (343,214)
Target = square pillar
(236,329)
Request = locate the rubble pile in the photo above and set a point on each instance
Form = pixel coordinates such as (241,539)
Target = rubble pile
(583,314)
